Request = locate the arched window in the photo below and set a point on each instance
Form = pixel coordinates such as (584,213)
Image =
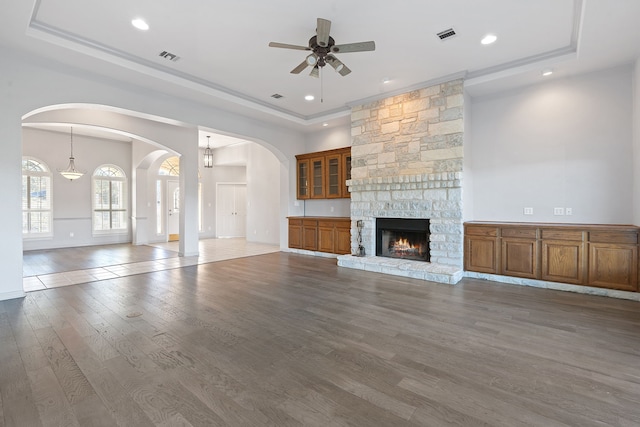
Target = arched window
(170,167)
(36,198)
(109,199)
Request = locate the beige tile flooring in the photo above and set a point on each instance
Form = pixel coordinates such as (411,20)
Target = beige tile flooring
(211,250)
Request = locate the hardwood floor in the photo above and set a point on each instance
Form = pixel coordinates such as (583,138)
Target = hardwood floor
(285,339)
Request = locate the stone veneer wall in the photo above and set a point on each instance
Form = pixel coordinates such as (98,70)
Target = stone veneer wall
(407,154)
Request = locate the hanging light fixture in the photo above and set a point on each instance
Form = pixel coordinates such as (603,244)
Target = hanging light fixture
(71,172)
(208,155)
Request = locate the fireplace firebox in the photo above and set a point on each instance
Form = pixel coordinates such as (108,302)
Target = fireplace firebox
(404,238)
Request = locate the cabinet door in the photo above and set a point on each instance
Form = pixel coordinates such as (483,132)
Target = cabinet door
(326,238)
(342,243)
(563,261)
(310,235)
(346,173)
(613,266)
(519,257)
(333,186)
(317,178)
(303,179)
(481,254)
(295,233)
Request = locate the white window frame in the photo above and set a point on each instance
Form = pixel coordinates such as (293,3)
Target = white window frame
(124,197)
(46,172)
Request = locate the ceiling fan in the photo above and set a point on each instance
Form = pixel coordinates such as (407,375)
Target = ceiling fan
(322,47)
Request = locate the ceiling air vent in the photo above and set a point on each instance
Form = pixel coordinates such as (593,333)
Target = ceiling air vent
(277,96)
(446,34)
(170,56)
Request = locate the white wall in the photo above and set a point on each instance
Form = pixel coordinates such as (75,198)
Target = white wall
(263,196)
(72,210)
(636,143)
(562,143)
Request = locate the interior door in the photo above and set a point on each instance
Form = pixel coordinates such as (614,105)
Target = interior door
(231,211)
(173,210)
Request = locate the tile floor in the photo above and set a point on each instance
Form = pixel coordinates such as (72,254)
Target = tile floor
(211,250)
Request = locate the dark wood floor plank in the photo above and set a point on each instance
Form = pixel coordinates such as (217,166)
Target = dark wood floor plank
(71,378)
(18,402)
(50,400)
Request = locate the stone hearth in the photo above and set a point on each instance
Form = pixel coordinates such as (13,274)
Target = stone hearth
(407,163)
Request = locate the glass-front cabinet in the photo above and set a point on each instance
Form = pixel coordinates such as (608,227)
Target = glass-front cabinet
(303,179)
(323,174)
(317,178)
(333,175)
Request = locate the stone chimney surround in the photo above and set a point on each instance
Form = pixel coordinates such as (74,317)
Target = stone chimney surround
(407,154)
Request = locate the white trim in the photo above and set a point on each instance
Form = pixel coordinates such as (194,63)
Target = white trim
(12,295)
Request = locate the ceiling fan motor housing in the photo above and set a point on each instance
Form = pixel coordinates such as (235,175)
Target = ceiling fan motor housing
(321,51)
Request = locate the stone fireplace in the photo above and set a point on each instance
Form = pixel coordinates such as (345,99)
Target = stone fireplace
(407,157)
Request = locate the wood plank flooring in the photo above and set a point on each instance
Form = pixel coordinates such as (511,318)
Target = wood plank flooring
(284,339)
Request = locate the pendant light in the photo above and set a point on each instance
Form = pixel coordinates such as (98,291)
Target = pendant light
(71,173)
(208,155)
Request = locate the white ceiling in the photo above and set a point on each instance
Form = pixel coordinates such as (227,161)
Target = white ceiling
(225,60)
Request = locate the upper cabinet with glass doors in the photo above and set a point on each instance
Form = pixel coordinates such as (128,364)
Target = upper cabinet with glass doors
(323,175)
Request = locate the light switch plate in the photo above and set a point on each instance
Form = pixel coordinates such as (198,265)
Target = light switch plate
(558,211)
(528,211)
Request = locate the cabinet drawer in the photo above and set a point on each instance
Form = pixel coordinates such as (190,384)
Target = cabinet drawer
(310,222)
(550,234)
(295,221)
(474,230)
(523,233)
(327,223)
(626,237)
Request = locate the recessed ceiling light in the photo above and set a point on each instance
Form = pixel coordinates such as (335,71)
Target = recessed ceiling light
(547,72)
(309,97)
(386,80)
(488,39)
(140,24)
(325,124)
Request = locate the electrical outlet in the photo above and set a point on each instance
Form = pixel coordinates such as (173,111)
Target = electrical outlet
(528,211)
(558,211)
(568,211)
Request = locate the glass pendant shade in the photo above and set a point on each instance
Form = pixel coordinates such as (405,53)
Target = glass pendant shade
(71,173)
(208,155)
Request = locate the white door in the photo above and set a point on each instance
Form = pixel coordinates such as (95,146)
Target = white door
(231,210)
(173,210)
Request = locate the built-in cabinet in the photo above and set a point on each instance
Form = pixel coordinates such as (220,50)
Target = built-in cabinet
(581,254)
(323,175)
(322,234)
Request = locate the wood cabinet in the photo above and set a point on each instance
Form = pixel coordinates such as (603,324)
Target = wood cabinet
(323,175)
(323,234)
(481,252)
(519,252)
(295,233)
(318,187)
(613,260)
(563,256)
(309,234)
(302,178)
(581,254)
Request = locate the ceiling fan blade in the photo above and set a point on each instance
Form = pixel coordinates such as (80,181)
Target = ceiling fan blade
(354,47)
(288,46)
(338,65)
(324,26)
(315,72)
(300,67)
